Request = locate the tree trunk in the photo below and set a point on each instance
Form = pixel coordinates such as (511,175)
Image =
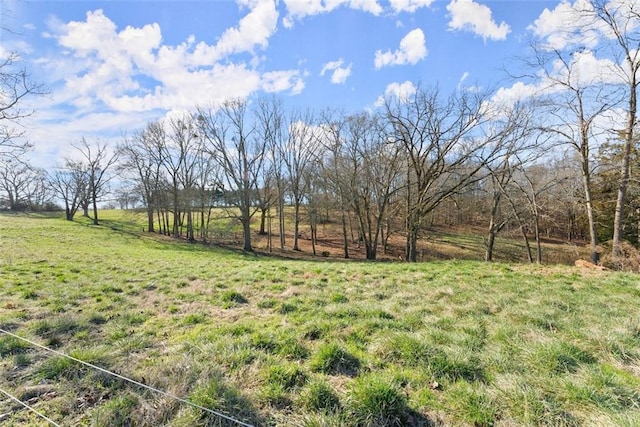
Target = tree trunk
(190,233)
(176,211)
(412,244)
(150,220)
(385,236)
(526,243)
(618,220)
(593,231)
(160,221)
(345,235)
(245,218)
(537,236)
(269,235)
(68,212)
(281,218)
(95,209)
(263,221)
(203,225)
(296,225)
(491,238)
(313,237)
(493,228)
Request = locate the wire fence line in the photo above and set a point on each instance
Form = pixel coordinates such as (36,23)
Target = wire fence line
(122,377)
(30,408)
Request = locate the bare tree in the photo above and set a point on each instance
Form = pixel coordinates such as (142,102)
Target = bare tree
(622,20)
(300,150)
(70,183)
(140,162)
(516,146)
(332,161)
(207,182)
(23,185)
(572,104)
(441,139)
(533,182)
(15,177)
(240,154)
(270,120)
(373,168)
(182,161)
(165,195)
(15,86)
(97,161)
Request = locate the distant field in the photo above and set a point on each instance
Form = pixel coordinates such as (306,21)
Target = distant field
(270,341)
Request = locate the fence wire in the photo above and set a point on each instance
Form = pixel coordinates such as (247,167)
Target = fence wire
(122,377)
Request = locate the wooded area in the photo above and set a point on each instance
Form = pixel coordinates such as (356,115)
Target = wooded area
(561,161)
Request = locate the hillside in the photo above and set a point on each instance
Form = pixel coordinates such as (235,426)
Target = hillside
(274,341)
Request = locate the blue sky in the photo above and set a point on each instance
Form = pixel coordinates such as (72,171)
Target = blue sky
(112,66)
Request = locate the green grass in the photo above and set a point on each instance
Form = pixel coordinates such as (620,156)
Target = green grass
(302,342)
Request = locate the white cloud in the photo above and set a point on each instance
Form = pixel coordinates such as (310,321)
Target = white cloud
(587,70)
(582,70)
(401,91)
(340,74)
(412,49)
(131,70)
(566,25)
(409,5)
(298,9)
(464,77)
(254,29)
(105,79)
(507,96)
(280,81)
(477,18)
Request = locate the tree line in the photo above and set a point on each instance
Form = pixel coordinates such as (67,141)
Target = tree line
(561,161)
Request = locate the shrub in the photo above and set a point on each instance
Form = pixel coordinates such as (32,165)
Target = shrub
(629,260)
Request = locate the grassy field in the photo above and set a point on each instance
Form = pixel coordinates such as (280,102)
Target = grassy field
(302,342)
